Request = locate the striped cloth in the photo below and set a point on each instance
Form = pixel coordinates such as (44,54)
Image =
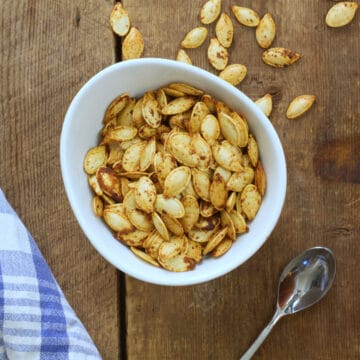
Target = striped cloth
(36,321)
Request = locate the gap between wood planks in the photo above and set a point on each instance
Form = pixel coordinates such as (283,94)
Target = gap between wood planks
(121,276)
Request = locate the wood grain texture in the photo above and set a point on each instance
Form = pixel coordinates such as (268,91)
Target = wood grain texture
(49,49)
(220,319)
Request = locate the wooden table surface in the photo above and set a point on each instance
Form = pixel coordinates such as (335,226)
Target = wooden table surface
(49,49)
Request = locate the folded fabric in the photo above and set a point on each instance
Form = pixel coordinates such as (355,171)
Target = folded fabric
(36,321)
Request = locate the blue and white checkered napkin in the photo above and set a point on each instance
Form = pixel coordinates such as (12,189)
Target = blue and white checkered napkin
(36,321)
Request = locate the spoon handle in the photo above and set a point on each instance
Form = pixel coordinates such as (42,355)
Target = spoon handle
(262,336)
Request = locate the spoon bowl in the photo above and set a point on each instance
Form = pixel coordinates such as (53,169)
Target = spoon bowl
(304,281)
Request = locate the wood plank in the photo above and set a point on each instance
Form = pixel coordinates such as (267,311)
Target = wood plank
(220,319)
(48,51)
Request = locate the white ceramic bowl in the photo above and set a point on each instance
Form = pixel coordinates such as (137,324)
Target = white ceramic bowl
(81,127)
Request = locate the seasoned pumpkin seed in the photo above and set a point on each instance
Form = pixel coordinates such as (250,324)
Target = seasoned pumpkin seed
(95,158)
(234,74)
(178,105)
(122,133)
(191,215)
(265,31)
(299,106)
(145,194)
(183,57)
(280,57)
(210,11)
(245,16)
(98,206)
(260,178)
(170,206)
(115,107)
(132,156)
(222,248)
(178,263)
(218,192)
(119,20)
(253,150)
(224,30)
(143,256)
(201,183)
(199,111)
(186,89)
(228,156)
(210,129)
(250,201)
(117,220)
(151,110)
(265,104)
(195,38)
(215,240)
(176,181)
(132,45)
(173,224)
(341,13)
(217,54)
(109,183)
(160,226)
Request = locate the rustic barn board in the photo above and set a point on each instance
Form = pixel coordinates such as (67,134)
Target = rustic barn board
(220,319)
(48,50)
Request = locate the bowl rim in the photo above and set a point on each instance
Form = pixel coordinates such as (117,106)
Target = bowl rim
(65,132)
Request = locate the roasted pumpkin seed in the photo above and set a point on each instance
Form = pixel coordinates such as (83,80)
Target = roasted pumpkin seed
(234,74)
(160,226)
(95,158)
(150,110)
(245,16)
(224,30)
(210,11)
(299,106)
(217,54)
(183,57)
(260,178)
(109,183)
(179,105)
(115,107)
(98,206)
(265,31)
(186,89)
(173,224)
(222,248)
(280,57)
(215,240)
(228,156)
(145,194)
(195,38)
(201,183)
(132,45)
(265,104)
(250,201)
(191,215)
(178,263)
(170,206)
(176,181)
(199,111)
(341,14)
(143,256)
(119,20)
(117,220)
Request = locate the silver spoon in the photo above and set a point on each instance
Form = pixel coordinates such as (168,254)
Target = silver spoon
(303,282)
